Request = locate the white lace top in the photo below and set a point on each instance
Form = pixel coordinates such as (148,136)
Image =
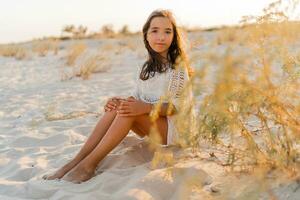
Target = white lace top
(170,83)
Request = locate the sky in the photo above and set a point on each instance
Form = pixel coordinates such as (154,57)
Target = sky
(22,20)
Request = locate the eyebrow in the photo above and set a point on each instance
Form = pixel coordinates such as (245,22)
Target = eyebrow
(167,29)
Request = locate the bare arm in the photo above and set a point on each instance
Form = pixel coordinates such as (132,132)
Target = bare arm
(132,107)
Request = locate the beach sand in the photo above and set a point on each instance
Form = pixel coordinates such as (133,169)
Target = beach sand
(44,121)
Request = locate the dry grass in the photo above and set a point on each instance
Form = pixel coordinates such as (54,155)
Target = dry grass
(13,50)
(42,47)
(86,62)
(107,47)
(132,45)
(251,113)
(197,42)
(93,64)
(74,52)
(227,35)
(55,46)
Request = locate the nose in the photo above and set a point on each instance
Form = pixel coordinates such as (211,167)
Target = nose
(161,37)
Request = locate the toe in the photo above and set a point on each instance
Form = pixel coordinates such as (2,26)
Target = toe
(47,177)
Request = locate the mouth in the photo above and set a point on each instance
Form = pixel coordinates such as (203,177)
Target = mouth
(160,44)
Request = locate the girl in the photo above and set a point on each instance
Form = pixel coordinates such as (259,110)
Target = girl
(158,77)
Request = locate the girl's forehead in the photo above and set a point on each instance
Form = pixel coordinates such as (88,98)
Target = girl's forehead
(161,22)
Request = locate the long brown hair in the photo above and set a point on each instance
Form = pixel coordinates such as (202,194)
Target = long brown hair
(155,60)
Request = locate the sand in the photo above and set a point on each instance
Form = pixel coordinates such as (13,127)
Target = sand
(44,121)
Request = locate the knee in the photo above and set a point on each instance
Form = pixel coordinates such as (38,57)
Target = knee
(112,113)
(140,119)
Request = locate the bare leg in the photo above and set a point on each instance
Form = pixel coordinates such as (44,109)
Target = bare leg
(115,134)
(93,140)
(143,124)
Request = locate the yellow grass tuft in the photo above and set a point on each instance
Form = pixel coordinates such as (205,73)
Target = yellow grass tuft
(13,50)
(251,111)
(93,64)
(42,47)
(227,35)
(74,52)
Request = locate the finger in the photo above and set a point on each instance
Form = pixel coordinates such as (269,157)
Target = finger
(131,100)
(112,103)
(124,107)
(127,108)
(111,106)
(124,103)
(126,114)
(107,106)
(123,111)
(131,97)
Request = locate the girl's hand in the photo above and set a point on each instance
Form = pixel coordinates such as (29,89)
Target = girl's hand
(133,107)
(112,103)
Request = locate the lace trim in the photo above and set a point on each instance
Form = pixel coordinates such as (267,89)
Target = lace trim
(176,83)
(151,100)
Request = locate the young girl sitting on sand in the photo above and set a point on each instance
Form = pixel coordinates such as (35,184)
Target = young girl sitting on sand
(159,75)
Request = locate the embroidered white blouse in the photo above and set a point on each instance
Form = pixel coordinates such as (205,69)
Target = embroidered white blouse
(171,82)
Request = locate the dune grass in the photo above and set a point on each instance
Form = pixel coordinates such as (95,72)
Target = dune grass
(74,52)
(14,50)
(249,110)
(43,47)
(93,64)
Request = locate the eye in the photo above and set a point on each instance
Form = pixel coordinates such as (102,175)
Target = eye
(154,31)
(168,32)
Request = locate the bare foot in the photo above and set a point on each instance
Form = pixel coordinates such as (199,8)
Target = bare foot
(60,172)
(79,174)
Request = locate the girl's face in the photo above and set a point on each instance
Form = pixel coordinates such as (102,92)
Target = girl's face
(160,35)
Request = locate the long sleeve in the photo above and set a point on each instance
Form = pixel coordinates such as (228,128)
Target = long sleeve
(179,79)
